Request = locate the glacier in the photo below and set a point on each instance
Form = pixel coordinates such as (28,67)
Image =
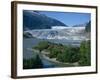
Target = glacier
(60,32)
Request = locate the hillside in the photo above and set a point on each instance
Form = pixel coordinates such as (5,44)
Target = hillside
(36,20)
(88,27)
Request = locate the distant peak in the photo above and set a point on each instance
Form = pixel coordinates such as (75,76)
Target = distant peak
(80,25)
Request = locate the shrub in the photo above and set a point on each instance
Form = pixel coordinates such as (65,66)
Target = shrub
(85,52)
(32,63)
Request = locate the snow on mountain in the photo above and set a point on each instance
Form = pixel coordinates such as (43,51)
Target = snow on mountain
(66,27)
(68,33)
(60,27)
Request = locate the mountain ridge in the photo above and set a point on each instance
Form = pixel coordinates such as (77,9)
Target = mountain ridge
(36,20)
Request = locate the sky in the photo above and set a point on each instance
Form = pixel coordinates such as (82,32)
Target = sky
(69,18)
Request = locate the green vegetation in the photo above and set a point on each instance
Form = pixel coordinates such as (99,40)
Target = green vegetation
(70,54)
(54,52)
(42,45)
(67,54)
(32,63)
(85,53)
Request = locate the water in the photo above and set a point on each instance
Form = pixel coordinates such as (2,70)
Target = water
(28,43)
(66,42)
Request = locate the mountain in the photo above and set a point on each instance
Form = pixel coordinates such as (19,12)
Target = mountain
(88,27)
(27,35)
(36,20)
(80,25)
